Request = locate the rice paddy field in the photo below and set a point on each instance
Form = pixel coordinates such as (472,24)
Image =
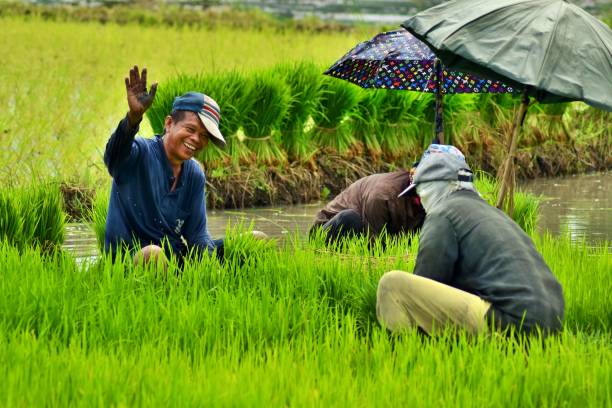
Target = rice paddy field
(62,91)
(62,94)
(277,323)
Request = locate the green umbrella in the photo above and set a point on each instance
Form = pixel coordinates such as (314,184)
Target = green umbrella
(551,49)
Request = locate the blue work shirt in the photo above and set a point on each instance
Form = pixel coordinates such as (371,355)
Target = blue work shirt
(142,208)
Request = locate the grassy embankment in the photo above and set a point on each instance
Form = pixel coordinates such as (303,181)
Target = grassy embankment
(62,95)
(293,325)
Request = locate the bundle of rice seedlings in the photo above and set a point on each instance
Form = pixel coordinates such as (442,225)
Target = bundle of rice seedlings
(365,121)
(495,109)
(337,101)
(42,211)
(32,216)
(423,108)
(399,124)
(270,100)
(548,123)
(11,223)
(460,117)
(232,92)
(303,80)
(99,211)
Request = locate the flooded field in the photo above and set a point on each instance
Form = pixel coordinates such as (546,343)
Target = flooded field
(580,206)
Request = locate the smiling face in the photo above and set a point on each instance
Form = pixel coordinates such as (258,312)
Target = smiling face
(184,137)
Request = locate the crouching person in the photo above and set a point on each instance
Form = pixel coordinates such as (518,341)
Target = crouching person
(475,267)
(157,204)
(369,206)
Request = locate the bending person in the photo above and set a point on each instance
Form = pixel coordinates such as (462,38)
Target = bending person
(369,206)
(475,266)
(157,202)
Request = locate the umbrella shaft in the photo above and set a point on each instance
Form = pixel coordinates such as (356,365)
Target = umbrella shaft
(439,131)
(507,170)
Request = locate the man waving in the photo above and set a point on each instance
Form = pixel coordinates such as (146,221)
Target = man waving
(157,205)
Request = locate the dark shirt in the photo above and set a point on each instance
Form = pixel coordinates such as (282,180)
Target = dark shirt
(472,246)
(142,209)
(375,198)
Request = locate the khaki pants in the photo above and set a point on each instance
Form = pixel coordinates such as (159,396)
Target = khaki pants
(404,300)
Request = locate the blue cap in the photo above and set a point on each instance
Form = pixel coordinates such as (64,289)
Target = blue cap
(207,109)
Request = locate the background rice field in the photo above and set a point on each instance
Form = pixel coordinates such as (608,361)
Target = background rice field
(62,94)
(62,90)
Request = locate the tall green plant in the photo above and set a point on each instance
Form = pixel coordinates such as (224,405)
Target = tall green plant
(526,205)
(403,116)
(337,102)
(32,216)
(459,119)
(303,79)
(232,91)
(99,211)
(11,223)
(270,100)
(45,201)
(366,122)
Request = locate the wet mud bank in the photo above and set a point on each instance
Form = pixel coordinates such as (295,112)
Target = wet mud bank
(329,173)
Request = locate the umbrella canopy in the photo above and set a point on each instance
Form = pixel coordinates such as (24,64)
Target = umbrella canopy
(398,60)
(554,49)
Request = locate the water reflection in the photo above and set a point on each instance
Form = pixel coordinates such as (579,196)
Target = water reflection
(577,206)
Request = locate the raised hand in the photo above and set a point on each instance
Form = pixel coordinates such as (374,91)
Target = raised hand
(139,99)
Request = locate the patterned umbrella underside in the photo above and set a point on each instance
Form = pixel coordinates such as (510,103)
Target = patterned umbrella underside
(397,60)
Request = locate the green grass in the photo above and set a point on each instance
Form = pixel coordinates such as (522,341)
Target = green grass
(32,216)
(337,102)
(298,320)
(303,80)
(269,102)
(62,93)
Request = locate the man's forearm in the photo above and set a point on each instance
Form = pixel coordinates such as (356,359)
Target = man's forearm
(119,145)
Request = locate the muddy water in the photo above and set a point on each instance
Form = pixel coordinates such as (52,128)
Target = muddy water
(580,206)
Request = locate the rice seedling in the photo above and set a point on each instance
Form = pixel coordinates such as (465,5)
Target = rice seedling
(497,108)
(32,216)
(400,130)
(545,123)
(424,109)
(11,223)
(459,119)
(108,333)
(303,79)
(44,202)
(526,206)
(231,90)
(337,102)
(365,122)
(99,211)
(270,99)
